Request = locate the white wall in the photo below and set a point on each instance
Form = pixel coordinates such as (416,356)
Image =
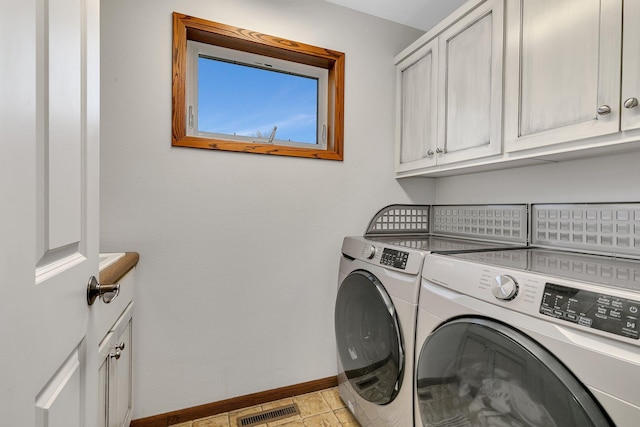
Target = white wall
(613,178)
(239,252)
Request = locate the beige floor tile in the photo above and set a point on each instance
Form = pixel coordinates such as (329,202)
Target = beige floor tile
(345,417)
(277,404)
(311,404)
(332,396)
(284,421)
(215,421)
(328,419)
(296,423)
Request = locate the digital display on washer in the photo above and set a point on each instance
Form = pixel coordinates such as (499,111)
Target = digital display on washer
(397,259)
(595,310)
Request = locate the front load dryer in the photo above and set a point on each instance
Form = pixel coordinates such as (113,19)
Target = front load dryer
(375,319)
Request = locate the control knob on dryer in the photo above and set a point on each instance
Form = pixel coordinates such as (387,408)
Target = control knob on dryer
(371,252)
(504,287)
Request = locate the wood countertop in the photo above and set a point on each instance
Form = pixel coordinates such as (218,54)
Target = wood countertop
(118,269)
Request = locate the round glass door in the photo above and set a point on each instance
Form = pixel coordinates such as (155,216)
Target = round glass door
(368,338)
(479,372)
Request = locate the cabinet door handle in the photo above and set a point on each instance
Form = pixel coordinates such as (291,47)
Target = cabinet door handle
(115,355)
(604,110)
(430,153)
(120,346)
(631,103)
(439,150)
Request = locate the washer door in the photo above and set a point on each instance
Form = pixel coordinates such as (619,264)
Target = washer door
(475,371)
(368,338)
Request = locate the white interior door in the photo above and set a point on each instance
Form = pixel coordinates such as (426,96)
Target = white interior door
(49,117)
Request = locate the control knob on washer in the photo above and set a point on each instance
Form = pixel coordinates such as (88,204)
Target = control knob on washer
(372,252)
(504,287)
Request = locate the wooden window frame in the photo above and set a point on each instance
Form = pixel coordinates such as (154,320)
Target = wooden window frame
(190,28)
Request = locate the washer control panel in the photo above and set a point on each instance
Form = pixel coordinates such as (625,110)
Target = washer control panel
(394,258)
(591,309)
(603,310)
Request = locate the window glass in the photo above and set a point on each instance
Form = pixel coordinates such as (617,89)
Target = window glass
(257,103)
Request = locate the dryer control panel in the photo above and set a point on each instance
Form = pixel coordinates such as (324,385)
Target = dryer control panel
(591,309)
(407,261)
(394,258)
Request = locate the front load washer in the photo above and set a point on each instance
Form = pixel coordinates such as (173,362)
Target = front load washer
(376,305)
(528,337)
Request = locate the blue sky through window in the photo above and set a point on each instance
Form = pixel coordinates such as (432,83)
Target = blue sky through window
(236,99)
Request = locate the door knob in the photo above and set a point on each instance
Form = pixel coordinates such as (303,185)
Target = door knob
(604,110)
(430,153)
(631,103)
(97,290)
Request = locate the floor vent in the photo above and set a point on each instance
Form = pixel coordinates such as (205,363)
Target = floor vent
(269,416)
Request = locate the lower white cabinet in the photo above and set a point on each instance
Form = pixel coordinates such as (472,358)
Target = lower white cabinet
(115,373)
(113,329)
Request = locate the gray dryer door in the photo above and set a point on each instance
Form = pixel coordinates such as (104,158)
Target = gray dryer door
(475,371)
(368,338)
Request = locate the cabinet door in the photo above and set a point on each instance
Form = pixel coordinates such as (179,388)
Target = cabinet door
(115,373)
(416,109)
(120,372)
(104,352)
(563,71)
(470,102)
(630,111)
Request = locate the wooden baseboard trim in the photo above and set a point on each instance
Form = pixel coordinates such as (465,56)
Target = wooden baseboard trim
(210,409)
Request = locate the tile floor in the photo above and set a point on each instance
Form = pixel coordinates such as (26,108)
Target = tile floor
(320,409)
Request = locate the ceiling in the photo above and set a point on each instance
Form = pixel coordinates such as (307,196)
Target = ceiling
(420,14)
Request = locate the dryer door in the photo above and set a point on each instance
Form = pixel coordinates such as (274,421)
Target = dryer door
(475,371)
(368,338)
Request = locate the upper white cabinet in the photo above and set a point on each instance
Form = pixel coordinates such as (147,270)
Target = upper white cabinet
(449,91)
(470,84)
(630,111)
(417,109)
(564,59)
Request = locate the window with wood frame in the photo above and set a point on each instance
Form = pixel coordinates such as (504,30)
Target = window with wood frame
(239,90)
